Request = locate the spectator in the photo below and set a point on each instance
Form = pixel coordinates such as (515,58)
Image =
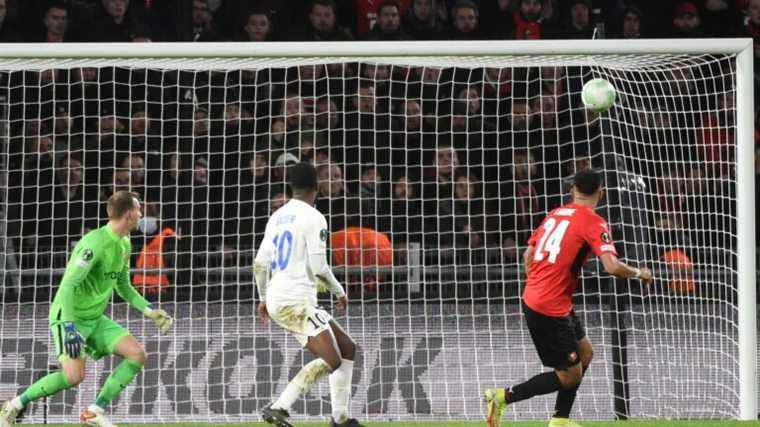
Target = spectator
(258,28)
(278,169)
(520,119)
(323,24)
(367,135)
(333,200)
(465,26)
(719,19)
(497,85)
(56,25)
(410,137)
(375,209)
(8,34)
(527,21)
(39,153)
(175,186)
(379,77)
(328,115)
(118,181)
(521,205)
(546,107)
(579,26)
(200,122)
(115,22)
(135,165)
(438,198)
(553,81)
(686,22)
(143,133)
(496,18)
(421,21)
(278,199)
(407,214)
(554,133)
(671,193)
(751,28)
(205,213)
(203,23)
(388,26)
(62,128)
(63,211)
(631,23)
(469,212)
(253,196)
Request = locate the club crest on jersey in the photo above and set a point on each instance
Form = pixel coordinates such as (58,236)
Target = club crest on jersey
(323,235)
(606,237)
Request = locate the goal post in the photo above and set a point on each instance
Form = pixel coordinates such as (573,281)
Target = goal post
(428,348)
(746,205)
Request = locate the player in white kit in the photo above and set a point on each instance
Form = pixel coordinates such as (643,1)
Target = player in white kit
(290,263)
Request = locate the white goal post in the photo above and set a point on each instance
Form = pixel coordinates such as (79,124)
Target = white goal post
(453,338)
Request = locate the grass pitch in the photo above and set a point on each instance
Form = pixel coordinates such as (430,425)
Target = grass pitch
(655,423)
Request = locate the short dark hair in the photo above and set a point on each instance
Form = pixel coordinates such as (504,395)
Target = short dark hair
(326,3)
(57,5)
(388,3)
(465,4)
(302,177)
(588,181)
(120,203)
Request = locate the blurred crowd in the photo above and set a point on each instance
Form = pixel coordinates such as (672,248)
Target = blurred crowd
(330,20)
(460,162)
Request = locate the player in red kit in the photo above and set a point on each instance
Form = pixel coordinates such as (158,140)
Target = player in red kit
(556,252)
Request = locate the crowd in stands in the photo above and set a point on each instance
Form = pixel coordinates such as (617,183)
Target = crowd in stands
(463,162)
(330,20)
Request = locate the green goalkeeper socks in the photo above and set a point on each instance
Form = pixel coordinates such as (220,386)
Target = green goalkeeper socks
(48,385)
(117,381)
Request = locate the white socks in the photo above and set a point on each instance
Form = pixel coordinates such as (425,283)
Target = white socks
(95,409)
(340,390)
(301,383)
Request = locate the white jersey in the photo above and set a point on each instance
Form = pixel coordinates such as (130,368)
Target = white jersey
(293,233)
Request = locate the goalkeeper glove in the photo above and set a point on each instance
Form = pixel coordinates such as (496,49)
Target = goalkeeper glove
(72,341)
(162,320)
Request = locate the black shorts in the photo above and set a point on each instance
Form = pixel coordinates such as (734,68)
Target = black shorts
(556,338)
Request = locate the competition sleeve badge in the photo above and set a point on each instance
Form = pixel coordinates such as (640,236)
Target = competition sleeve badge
(606,237)
(323,235)
(85,259)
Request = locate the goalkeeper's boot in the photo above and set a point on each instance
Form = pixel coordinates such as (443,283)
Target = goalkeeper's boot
(8,414)
(562,422)
(276,417)
(351,422)
(95,416)
(496,403)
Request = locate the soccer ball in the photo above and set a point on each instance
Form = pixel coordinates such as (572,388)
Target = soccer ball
(598,95)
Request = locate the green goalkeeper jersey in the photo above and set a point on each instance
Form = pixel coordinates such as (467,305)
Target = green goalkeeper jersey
(99,263)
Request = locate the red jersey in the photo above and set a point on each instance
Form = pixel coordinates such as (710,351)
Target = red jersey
(563,242)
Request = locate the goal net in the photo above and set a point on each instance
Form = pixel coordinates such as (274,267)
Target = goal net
(434,168)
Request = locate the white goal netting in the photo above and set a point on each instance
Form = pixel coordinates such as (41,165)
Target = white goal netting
(434,171)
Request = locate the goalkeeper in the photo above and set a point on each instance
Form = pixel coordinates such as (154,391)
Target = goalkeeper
(98,264)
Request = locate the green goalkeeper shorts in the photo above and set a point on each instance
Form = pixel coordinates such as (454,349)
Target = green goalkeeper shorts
(101,336)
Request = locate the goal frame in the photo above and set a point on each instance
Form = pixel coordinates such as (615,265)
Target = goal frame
(181,55)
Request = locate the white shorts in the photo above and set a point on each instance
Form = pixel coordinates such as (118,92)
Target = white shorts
(302,320)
